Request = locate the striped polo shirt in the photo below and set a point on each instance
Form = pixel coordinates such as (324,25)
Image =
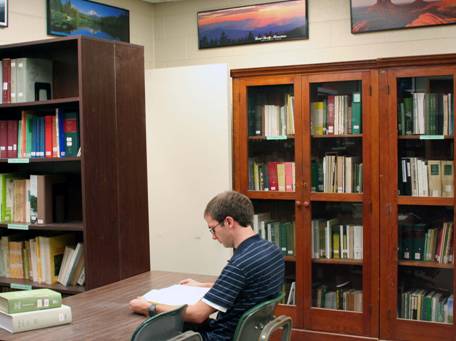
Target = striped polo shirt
(254,274)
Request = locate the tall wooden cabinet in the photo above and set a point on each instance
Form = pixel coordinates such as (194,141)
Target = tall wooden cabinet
(106,188)
(351,137)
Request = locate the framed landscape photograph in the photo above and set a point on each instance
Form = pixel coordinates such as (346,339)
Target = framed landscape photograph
(3,13)
(382,15)
(275,21)
(89,18)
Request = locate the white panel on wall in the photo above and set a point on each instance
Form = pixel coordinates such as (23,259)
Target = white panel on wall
(189,161)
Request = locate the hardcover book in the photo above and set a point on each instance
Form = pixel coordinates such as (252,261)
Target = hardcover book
(28,300)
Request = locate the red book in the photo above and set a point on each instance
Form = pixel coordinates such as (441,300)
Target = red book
(3,139)
(48,140)
(12,139)
(273,180)
(6,82)
(289,183)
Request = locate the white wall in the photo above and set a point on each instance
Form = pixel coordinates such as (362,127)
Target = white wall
(188,156)
(27,22)
(330,38)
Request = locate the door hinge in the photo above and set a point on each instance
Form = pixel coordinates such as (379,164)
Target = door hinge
(370,90)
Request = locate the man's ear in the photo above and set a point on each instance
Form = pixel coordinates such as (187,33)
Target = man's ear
(229,221)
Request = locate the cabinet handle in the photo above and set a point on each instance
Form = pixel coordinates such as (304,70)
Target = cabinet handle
(306,203)
(298,203)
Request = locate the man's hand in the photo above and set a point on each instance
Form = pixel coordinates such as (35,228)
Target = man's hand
(193,283)
(139,306)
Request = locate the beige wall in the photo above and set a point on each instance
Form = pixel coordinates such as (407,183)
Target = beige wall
(27,22)
(329,38)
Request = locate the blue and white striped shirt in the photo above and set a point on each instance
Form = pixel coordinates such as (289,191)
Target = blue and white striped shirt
(254,274)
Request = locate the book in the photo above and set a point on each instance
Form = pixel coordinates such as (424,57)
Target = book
(36,319)
(71,133)
(176,294)
(13,302)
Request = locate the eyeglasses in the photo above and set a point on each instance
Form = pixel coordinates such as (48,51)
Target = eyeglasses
(212,228)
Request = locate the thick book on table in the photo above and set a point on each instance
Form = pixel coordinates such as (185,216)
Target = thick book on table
(176,295)
(30,320)
(22,301)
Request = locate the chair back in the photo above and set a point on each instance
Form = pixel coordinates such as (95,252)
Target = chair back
(161,327)
(261,316)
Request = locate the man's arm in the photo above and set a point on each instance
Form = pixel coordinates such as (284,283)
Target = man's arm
(193,283)
(195,313)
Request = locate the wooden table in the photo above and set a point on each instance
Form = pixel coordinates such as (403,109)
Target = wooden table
(102,313)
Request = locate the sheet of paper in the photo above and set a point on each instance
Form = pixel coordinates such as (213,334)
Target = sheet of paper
(176,295)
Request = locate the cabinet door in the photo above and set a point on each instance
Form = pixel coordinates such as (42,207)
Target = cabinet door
(340,180)
(417,220)
(266,167)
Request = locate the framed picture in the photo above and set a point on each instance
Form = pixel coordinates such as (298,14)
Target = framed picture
(3,13)
(382,15)
(275,21)
(89,18)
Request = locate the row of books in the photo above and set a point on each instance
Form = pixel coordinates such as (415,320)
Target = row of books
(342,298)
(332,240)
(26,79)
(272,120)
(425,305)
(337,174)
(38,136)
(43,259)
(426,113)
(420,243)
(336,115)
(32,309)
(271,176)
(29,200)
(422,178)
(281,233)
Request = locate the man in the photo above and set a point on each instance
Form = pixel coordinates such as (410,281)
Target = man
(254,273)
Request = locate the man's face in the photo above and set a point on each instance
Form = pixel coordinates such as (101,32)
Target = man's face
(219,231)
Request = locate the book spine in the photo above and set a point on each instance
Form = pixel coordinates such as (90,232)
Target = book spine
(41,319)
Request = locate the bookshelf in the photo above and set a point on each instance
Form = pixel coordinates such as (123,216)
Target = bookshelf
(102,201)
(347,205)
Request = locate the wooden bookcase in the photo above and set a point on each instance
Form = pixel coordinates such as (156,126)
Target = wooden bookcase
(377,87)
(107,207)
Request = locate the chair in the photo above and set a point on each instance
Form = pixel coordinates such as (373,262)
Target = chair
(164,326)
(258,323)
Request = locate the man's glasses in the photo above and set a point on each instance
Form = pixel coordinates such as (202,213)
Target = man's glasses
(212,228)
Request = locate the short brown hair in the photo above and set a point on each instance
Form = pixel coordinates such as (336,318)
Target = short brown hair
(233,204)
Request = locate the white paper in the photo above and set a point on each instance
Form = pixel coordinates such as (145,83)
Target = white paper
(176,295)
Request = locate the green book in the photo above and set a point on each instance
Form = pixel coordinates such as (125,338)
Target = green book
(356,118)
(71,131)
(29,300)
(408,113)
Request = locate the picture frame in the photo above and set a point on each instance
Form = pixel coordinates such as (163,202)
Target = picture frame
(253,24)
(374,15)
(89,18)
(3,13)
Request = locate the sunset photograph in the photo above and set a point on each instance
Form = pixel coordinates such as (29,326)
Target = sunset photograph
(279,21)
(381,15)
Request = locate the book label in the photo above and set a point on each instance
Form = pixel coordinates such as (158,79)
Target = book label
(19,160)
(20,286)
(18,226)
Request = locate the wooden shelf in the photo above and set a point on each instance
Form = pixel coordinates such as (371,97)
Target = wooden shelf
(289,258)
(5,281)
(419,264)
(338,261)
(77,226)
(48,103)
(425,201)
(337,136)
(41,160)
(271,195)
(345,197)
(286,309)
(264,138)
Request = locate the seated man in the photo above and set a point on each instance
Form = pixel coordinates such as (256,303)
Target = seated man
(254,273)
